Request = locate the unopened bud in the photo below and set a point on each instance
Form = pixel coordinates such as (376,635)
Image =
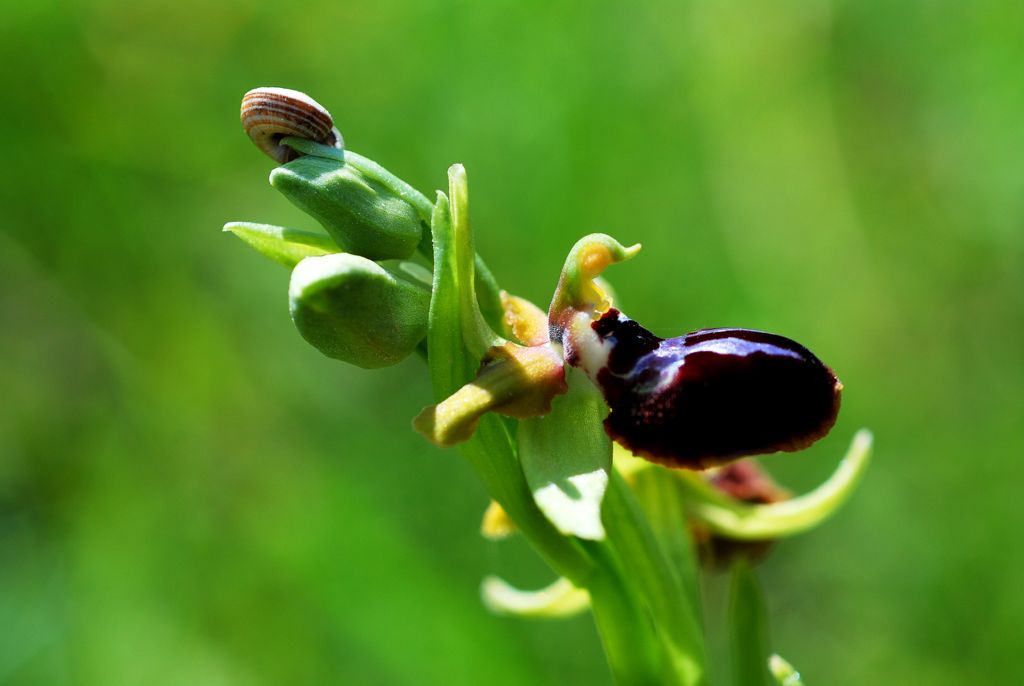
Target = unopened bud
(354,310)
(361,215)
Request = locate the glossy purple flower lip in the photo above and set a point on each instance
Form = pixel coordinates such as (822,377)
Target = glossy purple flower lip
(710,396)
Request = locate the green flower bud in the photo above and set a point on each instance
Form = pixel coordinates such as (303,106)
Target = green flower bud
(361,215)
(354,310)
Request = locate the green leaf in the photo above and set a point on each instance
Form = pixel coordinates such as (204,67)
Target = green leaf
(566,456)
(283,245)
(784,673)
(741,521)
(354,310)
(749,629)
(559,600)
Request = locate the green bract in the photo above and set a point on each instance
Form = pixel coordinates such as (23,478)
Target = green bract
(285,246)
(361,215)
(354,310)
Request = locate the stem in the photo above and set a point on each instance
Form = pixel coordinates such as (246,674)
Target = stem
(491,454)
(749,628)
(662,500)
(627,633)
(669,603)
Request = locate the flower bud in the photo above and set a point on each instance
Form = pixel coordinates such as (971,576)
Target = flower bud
(355,310)
(707,397)
(361,215)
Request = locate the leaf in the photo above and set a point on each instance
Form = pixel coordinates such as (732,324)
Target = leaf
(559,600)
(749,629)
(285,246)
(740,521)
(566,456)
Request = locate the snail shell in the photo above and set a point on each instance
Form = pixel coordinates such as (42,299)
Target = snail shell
(270,114)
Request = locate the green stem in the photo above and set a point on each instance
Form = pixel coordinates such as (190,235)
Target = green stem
(627,633)
(492,455)
(669,603)
(748,621)
(662,500)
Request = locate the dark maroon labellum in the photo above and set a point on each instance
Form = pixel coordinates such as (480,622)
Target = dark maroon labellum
(712,395)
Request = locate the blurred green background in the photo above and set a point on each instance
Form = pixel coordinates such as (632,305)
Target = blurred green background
(189,494)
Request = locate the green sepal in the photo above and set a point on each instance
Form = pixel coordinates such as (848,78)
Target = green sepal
(284,246)
(566,457)
(362,216)
(354,310)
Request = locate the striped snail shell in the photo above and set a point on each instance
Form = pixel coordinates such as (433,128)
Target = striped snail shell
(270,114)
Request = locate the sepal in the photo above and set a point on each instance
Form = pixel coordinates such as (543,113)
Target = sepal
(285,246)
